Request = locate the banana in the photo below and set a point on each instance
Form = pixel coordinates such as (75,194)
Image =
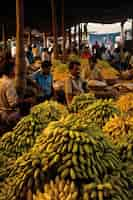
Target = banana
(75,160)
(65,173)
(72,174)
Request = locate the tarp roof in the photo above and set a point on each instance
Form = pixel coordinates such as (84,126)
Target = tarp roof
(38,13)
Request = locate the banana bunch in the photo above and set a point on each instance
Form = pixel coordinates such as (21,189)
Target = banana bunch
(22,138)
(24,135)
(5,165)
(81,102)
(118,128)
(7,189)
(76,150)
(111,188)
(27,173)
(100,111)
(125,148)
(99,191)
(5,142)
(107,71)
(58,189)
(122,182)
(125,102)
(48,110)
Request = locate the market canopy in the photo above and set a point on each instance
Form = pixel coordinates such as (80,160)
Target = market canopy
(38,13)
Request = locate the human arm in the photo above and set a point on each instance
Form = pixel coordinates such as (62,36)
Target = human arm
(14,101)
(68,91)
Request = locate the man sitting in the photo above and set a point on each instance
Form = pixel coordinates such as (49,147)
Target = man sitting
(10,103)
(74,85)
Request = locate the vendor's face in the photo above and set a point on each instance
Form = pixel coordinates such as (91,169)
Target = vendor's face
(76,70)
(46,70)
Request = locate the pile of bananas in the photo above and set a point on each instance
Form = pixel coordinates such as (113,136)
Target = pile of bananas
(28,128)
(76,149)
(72,149)
(23,137)
(107,71)
(100,111)
(125,102)
(81,102)
(117,185)
(118,128)
(111,188)
(59,189)
(27,173)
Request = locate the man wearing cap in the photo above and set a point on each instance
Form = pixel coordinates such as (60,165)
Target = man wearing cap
(44,81)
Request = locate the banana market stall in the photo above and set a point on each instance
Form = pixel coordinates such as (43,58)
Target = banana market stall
(115,83)
(85,153)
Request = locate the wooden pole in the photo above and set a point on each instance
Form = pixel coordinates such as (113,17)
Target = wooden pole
(81,33)
(63,30)
(70,38)
(54,28)
(122,32)
(20,72)
(75,33)
(85,31)
(4,38)
(132,29)
(79,36)
(45,40)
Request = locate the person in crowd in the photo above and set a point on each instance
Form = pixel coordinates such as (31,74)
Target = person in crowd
(45,55)
(74,85)
(103,48)
(86,53)
(96,50)
(36,65)
(125,56)
(35,51)
(29,55)
(10,103)
(116,59)
(44,81)
(106,55)
(95,72)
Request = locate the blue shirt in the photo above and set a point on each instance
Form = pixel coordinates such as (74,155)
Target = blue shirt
(44,81)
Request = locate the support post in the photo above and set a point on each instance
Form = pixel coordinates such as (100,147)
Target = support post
(70,38)
(20,72)
(54,28)
(79,36)
(63,31)
(45,40)
(4,37)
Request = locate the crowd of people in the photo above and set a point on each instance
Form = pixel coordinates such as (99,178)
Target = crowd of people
(40,79)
